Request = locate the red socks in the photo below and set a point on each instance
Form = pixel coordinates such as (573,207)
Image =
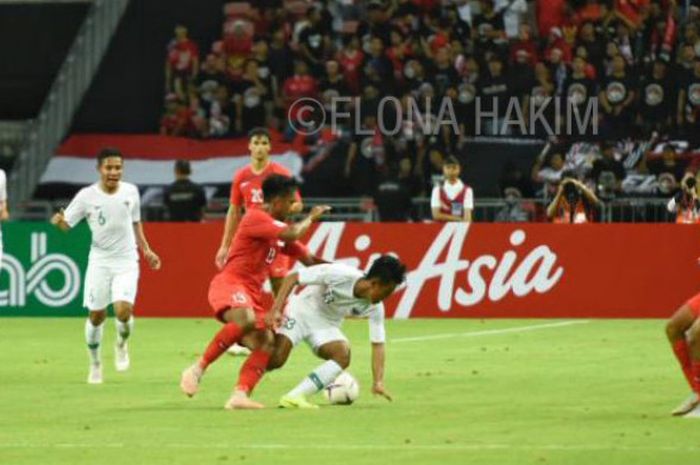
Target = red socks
(682,352)
(225,338)
(252,371)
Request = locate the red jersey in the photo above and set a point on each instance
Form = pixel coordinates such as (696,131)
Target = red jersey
(181,55)
(246,189)
(255,247)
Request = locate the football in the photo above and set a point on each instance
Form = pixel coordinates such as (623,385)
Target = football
(343,391)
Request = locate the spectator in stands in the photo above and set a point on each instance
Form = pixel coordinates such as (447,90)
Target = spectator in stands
(314,41)
(616,98)
(608,172)
(513,211)
(594,46)
(574,202)
(238,46)
(221,115)
(538,94)
(688,113)
(578,87)
(394,193)
(178,118)
(184,199)
(351,58)
(669,162)
(366,156)
(452,200)
(252,91)
(210,77)
(495,89)
(182,64)
(301,84)
(656,99)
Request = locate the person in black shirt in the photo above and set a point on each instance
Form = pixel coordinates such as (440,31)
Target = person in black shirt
(579,89)
(184,199)
(608,163)
(314,41)
(495,91)
(656,99)
(689,103)
(616,98)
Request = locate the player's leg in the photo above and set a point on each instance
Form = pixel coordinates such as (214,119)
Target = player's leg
(261,343)
(331,345)
(237,322)
(283,347)
(676,329)
(96,298)
(124,288)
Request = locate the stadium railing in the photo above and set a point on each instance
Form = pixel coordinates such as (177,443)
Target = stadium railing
(627,210)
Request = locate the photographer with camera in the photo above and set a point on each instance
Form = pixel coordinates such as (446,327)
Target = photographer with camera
(685,203)
(574,202)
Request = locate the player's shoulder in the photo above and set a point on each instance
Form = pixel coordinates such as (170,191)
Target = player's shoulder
(277,168)
(88,191)
(129,188)
(342,270)
(242,173)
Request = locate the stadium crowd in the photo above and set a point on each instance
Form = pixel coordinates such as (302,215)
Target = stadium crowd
(640,58)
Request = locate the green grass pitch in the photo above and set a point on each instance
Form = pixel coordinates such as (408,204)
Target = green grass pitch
(466,391)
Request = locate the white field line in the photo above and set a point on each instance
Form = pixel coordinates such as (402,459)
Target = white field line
(357,447)
(491,332)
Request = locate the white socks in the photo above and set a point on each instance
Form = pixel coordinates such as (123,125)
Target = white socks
(321,377)
(124,329)
(93,338)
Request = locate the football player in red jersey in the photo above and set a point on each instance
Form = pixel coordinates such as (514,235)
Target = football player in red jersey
(235,294)
(246,193)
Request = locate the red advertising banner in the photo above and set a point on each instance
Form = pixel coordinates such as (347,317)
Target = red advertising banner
(465,271)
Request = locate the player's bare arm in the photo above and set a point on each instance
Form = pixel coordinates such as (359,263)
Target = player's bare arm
(233,218)
(151,257)
(378,360)
(4,213)
(297,230)
(59,220)
(274,317)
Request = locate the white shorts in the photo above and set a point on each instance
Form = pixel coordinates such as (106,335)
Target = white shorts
(308,325)
(108,283)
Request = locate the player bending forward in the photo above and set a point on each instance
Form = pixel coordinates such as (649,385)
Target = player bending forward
(333,291)
(683,331)
(112,209)
(235,294)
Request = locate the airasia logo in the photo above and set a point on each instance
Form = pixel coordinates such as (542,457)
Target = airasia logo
(512,273)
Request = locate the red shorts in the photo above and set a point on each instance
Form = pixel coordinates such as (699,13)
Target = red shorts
(281,266)
(694,304)
(226,293)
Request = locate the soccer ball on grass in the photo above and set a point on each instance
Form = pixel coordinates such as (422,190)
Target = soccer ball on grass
(343,391)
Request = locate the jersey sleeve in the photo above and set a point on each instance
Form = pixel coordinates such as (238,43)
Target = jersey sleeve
(435,198)
(316,274)
(3,186)
(377,333)
(136,207)
(76,210)
(262,226)
(469,199)
(295,249)
(236,197)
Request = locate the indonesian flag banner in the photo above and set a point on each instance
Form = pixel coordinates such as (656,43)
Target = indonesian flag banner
(149,159)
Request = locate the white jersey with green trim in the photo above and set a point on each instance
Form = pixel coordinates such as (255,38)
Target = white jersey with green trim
(329,292)
(111,219)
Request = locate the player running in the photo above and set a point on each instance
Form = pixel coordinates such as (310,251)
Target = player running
(246,193)
(332,292)
(235,293)
(112,209)
(683,331)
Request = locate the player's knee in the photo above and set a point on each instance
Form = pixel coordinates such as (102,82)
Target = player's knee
(123,312)
(342,358)
(693,335)
(267,342)
(245,319)
(98,317)
(276,361)
(672,331)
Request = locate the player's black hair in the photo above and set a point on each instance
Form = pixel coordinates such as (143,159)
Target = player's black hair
(108,152)
(260,132)
(452,160)
(277,185)
(387,269)
(183,167)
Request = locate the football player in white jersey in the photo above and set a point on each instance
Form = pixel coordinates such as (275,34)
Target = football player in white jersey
(112,210)
(333,291)
(4,215)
